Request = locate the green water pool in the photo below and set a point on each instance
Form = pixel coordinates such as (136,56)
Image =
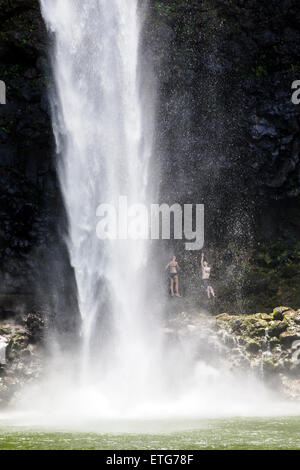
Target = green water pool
(238,433)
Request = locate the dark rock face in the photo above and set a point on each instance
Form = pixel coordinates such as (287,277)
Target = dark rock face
(32,223)
(225,71)
(228,137)
(25,144)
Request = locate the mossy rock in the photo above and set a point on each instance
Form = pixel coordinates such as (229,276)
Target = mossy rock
(260,332)
(4,331)
(261,324)
(278,316)
(289,316)
(274,342)
(224,320)
(278,312)
(250,319)
(265,316)
(237,325)
(223,316)
(277,327)
(19,342)
(252,346)
(257,329)
(288,337)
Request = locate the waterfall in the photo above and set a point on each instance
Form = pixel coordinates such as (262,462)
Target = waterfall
(103,117)
(104,142)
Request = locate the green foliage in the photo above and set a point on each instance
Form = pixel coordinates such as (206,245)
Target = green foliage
(164,9)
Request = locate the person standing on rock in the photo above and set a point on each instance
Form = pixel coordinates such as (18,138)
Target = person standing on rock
(173,268)
(206,270)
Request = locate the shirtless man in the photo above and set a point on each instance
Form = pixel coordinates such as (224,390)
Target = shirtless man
(173,268)
(206,270)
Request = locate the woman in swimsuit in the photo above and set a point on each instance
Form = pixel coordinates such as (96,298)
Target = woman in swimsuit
(206,270)
(173,268)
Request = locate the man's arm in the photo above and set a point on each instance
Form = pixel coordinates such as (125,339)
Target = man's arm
(202,259)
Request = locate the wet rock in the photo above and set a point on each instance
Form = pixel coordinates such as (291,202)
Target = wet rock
(270,346)
(277,327)
(252,346)
(17,345)
(35,325)
(278,312)
(278,315)
(237,325)
(265,316)
(287,338)
(274,342)
(24,355)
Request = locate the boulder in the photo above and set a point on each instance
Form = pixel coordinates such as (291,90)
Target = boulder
(35,325)
(265,316)
(274,342)
(279,311)
(288,337)
(252,346)
(17,344)
(297,319)
(277,327)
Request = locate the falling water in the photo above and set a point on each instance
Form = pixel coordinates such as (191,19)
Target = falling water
(105,144)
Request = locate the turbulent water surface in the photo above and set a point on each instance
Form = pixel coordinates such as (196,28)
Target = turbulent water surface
(251,433)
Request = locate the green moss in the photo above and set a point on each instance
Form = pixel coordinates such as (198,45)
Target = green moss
(277,327)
